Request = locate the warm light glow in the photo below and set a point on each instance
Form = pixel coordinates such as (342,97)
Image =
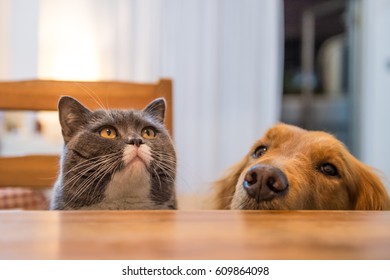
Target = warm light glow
(68,42)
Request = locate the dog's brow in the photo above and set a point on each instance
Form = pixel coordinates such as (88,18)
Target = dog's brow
(279,135)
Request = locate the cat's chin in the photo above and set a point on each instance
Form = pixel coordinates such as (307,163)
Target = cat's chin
(136,162)
(131,182)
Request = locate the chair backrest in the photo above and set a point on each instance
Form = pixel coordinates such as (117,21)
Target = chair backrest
(40,171)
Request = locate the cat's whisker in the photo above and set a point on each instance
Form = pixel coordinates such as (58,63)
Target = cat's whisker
(78,188)
(166,168)
(167,164)
(109,170)
(92,94)
(165,160)
(102,168)
(158,177)
(161,154)
(87,169)
(166,172)
(89,185)
(91,161)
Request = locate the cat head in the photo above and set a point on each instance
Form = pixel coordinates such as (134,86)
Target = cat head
(74,116)
(112,155)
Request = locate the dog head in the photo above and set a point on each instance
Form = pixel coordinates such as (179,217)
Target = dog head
(292,168)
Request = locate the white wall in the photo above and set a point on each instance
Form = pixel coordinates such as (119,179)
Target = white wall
(23,50)
(375,85)
(4,38)
(18,39)
(224,58)
(18,60)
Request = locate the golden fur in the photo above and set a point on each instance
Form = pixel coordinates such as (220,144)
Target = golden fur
(298,153)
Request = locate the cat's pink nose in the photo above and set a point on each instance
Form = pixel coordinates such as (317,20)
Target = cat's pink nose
(135,141)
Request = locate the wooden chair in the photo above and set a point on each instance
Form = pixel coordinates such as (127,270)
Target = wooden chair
(40,171)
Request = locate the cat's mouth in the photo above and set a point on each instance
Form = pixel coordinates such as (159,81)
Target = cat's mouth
(133,156)
(137,160)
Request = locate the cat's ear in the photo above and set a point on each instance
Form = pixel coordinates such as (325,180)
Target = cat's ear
(73,116)
(157,109)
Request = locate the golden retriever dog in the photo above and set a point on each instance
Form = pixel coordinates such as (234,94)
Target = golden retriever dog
(294,169)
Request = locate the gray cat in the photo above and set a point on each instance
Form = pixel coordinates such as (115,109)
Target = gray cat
(115,159)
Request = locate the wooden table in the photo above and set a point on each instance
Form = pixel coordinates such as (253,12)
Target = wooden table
(195,235)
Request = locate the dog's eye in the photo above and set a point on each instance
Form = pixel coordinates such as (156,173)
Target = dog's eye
(260,150)
(328,169)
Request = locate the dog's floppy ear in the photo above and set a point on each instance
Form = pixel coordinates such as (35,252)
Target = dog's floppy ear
(371,193)
(225,187)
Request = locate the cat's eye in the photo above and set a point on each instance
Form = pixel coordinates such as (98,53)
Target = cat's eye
(108,132)
(149,133)
(328,169)
(260,150)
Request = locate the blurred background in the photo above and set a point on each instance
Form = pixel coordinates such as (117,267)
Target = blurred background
(238,67)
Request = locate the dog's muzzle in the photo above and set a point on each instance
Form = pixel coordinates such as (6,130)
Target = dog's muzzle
(264,182)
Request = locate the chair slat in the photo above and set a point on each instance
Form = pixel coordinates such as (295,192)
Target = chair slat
(35,171)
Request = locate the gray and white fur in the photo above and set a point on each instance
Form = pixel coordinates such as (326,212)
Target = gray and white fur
(115,159)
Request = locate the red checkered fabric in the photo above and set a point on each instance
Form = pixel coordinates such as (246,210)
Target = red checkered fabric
(20,198)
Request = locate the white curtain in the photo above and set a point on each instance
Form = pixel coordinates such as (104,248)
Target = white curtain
(374,82)
(18,39)
(4,38)
(224,56)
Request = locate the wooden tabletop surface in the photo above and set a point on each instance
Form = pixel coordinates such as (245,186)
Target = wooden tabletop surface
(195,235)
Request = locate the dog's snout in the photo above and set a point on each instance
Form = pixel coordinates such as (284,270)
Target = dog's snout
(264,182)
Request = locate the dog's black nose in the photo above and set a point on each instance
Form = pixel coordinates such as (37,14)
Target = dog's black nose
(264,182)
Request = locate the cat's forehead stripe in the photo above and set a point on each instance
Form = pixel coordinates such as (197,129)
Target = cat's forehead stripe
(126,119)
